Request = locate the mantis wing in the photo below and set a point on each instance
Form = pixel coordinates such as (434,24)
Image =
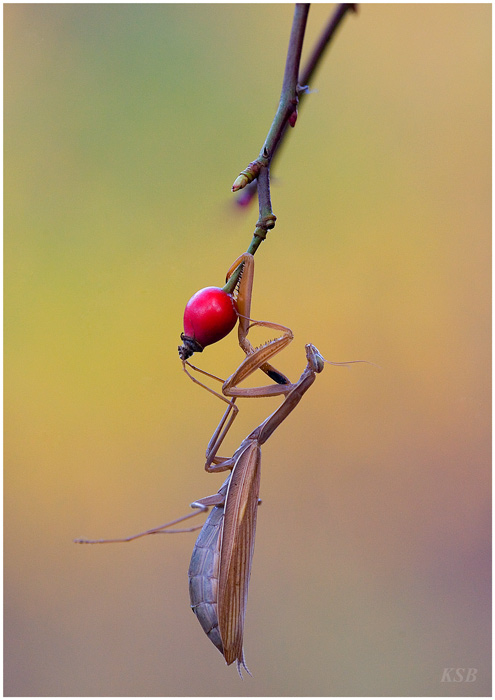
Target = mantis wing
(237,551)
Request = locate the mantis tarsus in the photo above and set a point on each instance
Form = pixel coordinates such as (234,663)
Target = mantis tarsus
(221,561)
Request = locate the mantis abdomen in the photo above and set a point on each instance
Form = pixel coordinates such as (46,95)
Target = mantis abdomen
(204,571)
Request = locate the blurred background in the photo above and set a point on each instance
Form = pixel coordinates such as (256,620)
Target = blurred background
(125,126)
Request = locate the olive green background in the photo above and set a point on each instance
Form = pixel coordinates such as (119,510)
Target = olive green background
(125,126)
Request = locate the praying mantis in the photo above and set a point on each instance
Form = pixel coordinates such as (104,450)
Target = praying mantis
(220,565)
(221,562)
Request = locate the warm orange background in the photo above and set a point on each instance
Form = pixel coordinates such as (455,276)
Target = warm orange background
(125,126)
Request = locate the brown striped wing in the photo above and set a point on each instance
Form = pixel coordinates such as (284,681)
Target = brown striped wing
(237,549)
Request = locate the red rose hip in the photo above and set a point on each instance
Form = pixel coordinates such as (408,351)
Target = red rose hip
(209,316)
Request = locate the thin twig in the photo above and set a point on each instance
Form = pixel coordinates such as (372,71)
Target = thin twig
(257,173)
(260,168)
(304,78)
(288,98)
(324,40)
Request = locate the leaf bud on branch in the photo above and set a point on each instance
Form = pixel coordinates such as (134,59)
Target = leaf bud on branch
(247,175)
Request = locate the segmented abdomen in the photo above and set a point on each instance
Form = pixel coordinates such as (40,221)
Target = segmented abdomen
(203,576)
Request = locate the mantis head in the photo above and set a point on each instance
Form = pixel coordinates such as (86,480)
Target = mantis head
(316,361)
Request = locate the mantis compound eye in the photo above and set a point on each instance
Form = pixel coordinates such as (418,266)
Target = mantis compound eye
(209,316)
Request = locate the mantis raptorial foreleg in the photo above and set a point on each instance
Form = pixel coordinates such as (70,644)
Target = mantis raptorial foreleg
(256,358)
(244,296)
